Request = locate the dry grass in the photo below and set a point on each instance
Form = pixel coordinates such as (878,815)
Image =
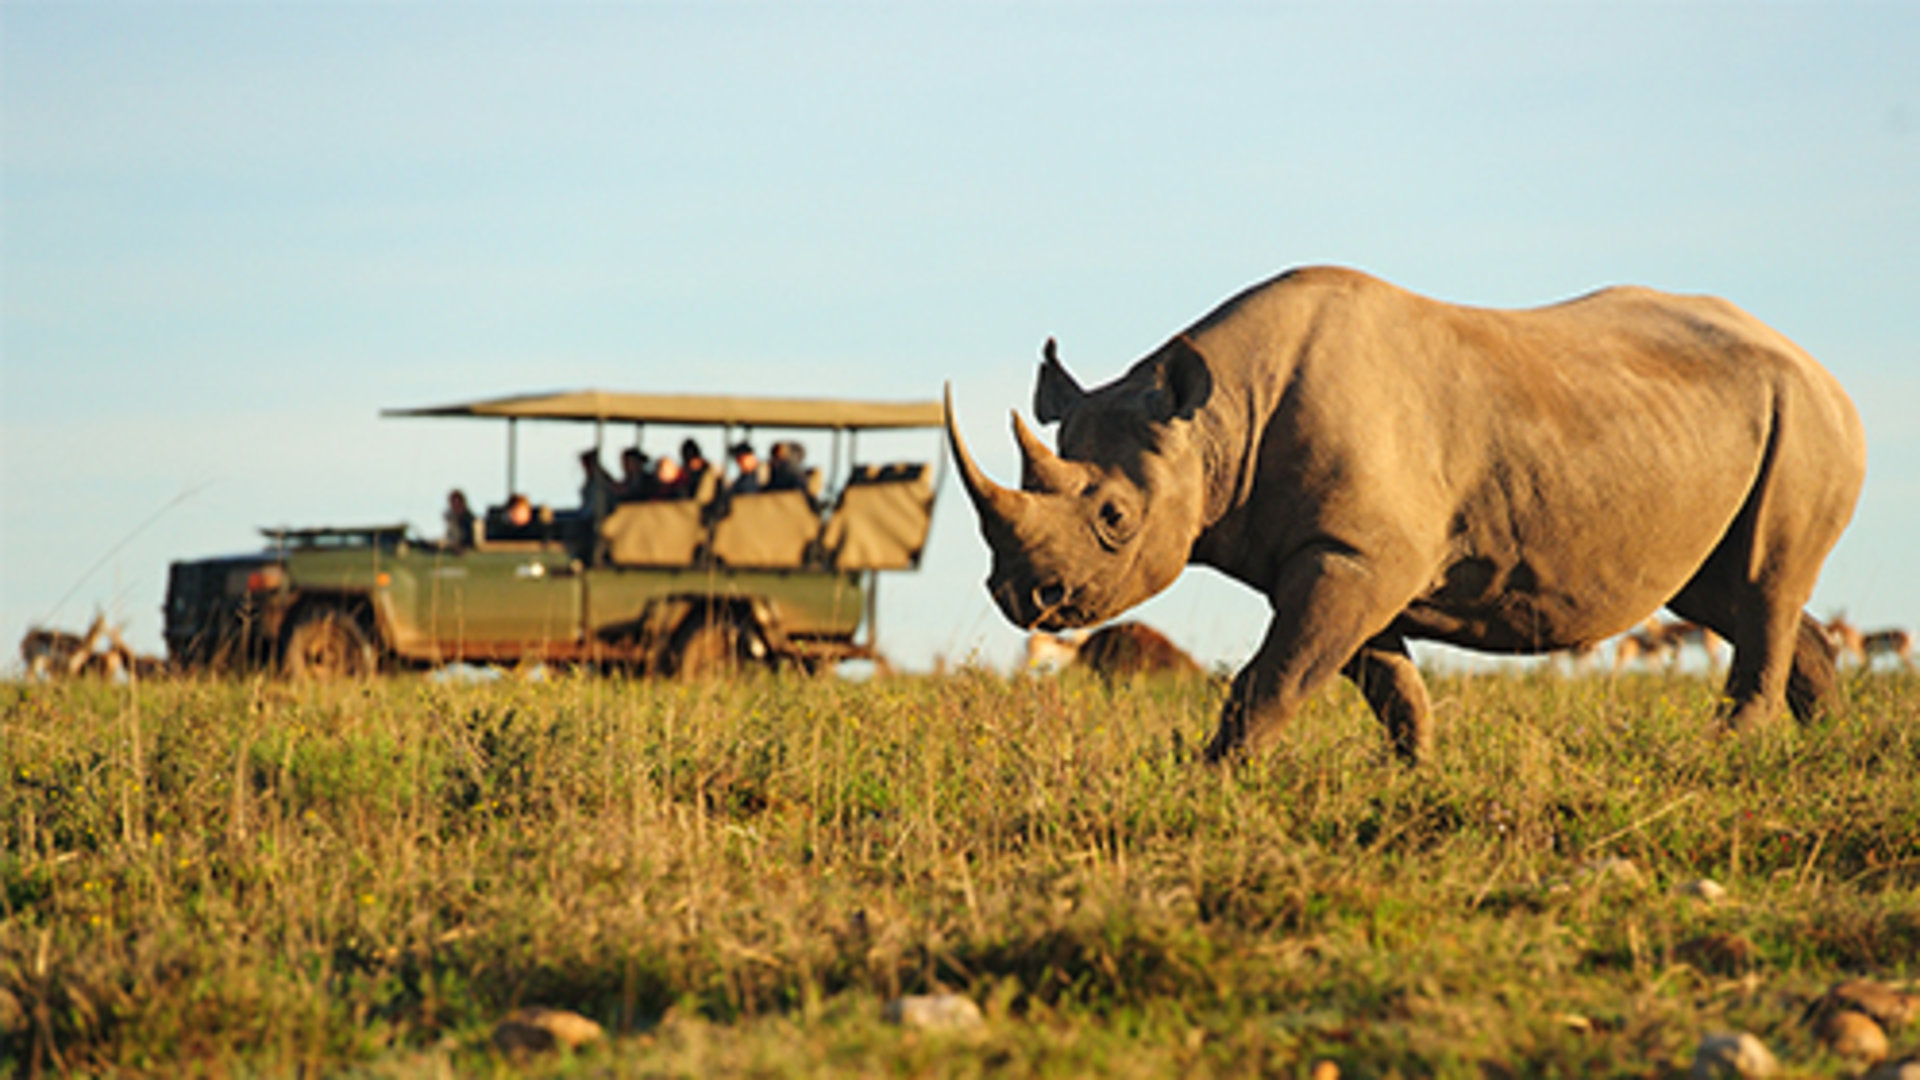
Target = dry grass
(248,877)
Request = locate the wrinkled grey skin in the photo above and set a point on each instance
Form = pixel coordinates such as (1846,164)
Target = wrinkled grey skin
(1384,468)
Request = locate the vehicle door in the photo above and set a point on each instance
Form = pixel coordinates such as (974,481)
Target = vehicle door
(504,604)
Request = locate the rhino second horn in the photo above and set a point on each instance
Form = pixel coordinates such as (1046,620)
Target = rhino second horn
(1040,468)
(989,498)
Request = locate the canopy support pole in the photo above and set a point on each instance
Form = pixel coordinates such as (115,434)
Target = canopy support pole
(873,609)
(513,454)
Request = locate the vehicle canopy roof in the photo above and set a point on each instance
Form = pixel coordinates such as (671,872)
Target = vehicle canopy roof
(594,406)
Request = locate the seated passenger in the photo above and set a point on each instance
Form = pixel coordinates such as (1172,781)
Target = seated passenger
(514,521)
(459,521)
(636,480)
(669,480)
(747,463)
(694,461)
(599,489)
(787,471)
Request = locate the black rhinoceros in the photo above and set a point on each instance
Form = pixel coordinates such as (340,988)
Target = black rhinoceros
(1385,467)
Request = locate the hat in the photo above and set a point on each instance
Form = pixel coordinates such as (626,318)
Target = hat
(690,449)
(739,448)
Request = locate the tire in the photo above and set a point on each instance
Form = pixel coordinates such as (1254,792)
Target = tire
(329,644)
(706,650)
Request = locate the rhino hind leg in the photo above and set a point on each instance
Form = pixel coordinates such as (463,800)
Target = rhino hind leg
(1812,686)
(1780,654)
(1387,677)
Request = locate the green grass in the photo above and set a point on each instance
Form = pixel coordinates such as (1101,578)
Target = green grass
(254,878)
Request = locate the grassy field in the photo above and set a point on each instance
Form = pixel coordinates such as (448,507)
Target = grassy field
(254,878)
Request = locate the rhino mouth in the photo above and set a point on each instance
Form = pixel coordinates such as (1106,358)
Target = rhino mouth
(1062,618)
(1048,606)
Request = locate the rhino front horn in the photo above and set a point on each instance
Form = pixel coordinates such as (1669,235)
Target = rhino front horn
(990,500)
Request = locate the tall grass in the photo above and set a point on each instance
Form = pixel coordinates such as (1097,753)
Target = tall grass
(254,877)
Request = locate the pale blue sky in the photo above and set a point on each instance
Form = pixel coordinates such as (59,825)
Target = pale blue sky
(233,233)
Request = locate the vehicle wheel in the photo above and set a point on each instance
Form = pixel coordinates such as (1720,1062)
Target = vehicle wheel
(329,644)
(707,651)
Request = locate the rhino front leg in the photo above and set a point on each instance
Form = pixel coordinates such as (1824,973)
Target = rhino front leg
(1328,603)
(1386,676)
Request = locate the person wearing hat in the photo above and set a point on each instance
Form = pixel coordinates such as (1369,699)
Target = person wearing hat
(748,465)
(636,478)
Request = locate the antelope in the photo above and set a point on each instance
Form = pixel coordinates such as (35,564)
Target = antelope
(1864,646)
(1653,639)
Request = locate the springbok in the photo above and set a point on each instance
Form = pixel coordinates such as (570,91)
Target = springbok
(1654,639)
(1864,646)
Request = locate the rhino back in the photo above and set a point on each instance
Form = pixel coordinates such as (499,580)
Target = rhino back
(1563,469)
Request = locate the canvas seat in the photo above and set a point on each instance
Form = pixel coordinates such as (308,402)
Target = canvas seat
(882,520)
(766,529)
(653,533)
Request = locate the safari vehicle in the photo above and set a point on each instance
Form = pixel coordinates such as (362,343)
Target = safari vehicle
(673,587)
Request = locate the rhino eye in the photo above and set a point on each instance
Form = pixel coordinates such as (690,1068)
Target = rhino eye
(1113,528)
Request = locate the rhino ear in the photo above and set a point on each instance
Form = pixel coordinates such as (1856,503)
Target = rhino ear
(1055,393)
(1182,381)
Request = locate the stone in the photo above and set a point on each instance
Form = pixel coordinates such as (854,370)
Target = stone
(537,1029)
(934,1012)
(1732,1054)
(1723,953)
(1852,1035)
(1573,1022)
(1904,1069)
(1889,1008)
(1705,890)
(1612,871)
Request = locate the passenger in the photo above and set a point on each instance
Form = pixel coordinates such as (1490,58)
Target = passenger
(694,461)
(520,512)
(787,471)
(669,480)
(636,481)
(459,522)
(747,463)
(599,490)
(514,521)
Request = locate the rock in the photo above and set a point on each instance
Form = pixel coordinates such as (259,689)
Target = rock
(1706,890)
(1732,1054)
(1722,953)
(1904,1069)
(1612,871)
(1886,1006)
(1573,1022)
(1852,1035)
(934,1012)
(537,1029)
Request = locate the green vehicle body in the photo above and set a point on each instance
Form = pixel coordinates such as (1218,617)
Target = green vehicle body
(422,604)
(348,601)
